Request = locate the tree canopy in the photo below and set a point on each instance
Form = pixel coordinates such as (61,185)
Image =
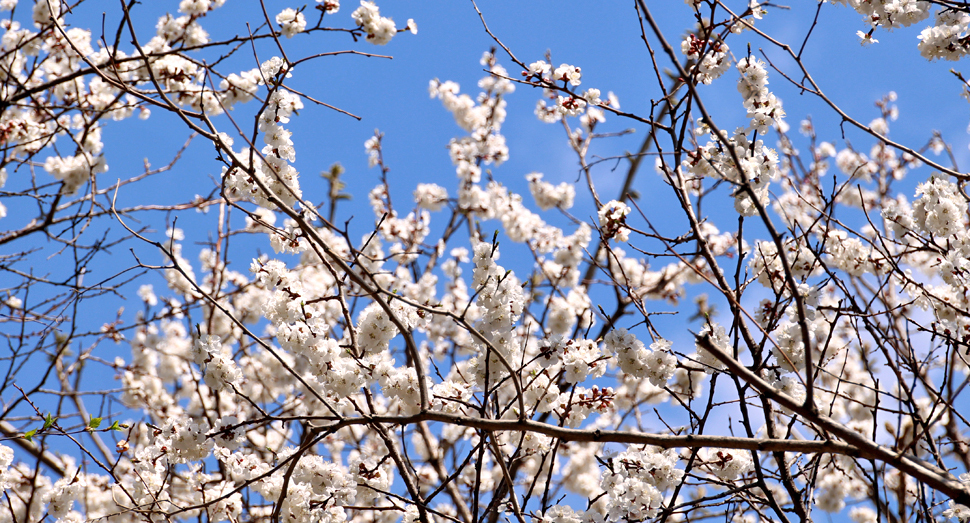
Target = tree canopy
(714,287)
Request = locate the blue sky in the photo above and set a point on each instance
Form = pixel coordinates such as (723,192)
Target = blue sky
(603,38)
(391,95)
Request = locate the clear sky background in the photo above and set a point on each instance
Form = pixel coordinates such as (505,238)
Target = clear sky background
(391,95)
(603,38)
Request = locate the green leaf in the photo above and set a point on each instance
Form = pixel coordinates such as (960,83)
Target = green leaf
(30,434)
(114,426)
(94,423)
(49,421)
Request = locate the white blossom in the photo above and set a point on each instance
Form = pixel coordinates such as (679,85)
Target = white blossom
(291,21)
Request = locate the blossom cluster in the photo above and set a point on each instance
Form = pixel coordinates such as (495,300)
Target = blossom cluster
(274,178)
(588,105)
(752,165)
(711,57)
(946,38)
(379,29)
